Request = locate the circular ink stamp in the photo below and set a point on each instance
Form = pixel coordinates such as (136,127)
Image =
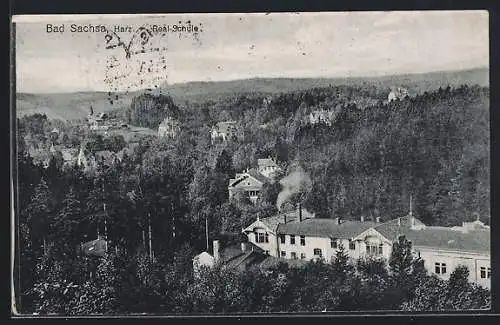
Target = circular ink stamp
(137,58)
(137,63)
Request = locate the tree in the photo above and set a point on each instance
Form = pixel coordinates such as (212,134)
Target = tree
(341,265)
(39,211)
(401,260)
(65,228)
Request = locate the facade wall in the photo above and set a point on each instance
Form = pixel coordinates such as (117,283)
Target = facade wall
(452,259)
(325,245)
(250,186)
(270,247)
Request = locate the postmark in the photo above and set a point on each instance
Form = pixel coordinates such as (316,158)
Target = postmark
(137,58)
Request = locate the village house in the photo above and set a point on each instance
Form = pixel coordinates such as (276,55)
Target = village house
(69,155)
(89,161)
(249,183)
(169,128)
(224,131)
(97,247)
(263,232)
(398,93)
(246,257)
(322,116)
(441,248)
(268,167)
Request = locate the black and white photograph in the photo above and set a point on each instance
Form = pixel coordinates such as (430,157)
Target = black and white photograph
(250,163)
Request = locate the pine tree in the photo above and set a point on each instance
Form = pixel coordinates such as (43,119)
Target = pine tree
(341,264)
(39,213)
(401,260)
(64,230)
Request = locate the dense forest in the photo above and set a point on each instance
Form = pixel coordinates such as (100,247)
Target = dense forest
(433,146)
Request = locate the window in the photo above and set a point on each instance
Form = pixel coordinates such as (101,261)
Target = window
(440,268)
(282,239)
(292,239)
(373,249)
(380,249)
(317,252)
(302,256)
(303,240)
(261,237)
(283,254)
(333,243)
(483,272)
(293,255)
(352,244)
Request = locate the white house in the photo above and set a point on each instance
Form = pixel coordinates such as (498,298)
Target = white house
(398,93)
(250,183)
(263,232)
(320,238)
(441,248)
(224,131)
(322,116)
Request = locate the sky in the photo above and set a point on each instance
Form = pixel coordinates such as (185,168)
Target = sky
(240,46)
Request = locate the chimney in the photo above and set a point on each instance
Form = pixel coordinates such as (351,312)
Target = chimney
(377,219)
(243,247)
(399,221)
(300,212)
(362,219)
(337,221)
(216,251)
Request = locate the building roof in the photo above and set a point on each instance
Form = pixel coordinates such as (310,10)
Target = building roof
(224,127)
(253,258)
(474,240)
(291,216)
(391,229)
(327,228)
(252,173)
(96,247)
(449,239)
(266,162)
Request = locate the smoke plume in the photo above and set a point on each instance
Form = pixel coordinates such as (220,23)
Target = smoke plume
(297,182)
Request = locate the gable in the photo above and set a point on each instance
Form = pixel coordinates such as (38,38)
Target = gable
(371,233)
(257,224)
(247,181)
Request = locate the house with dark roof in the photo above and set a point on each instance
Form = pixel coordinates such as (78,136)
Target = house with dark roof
(441,248)
(319,238)
(249,183)
(267,167)
(246,257)
(96,247)
(263,232)
(224,131)
(299,237)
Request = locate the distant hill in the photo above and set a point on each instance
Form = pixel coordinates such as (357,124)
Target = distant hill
(70,106)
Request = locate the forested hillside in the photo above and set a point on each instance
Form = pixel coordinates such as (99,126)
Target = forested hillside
(373,156)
